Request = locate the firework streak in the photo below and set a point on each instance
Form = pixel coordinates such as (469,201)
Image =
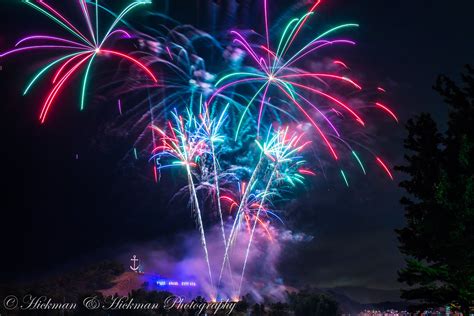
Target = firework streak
(294,91)
(82,49)
(242,136)
(184,145)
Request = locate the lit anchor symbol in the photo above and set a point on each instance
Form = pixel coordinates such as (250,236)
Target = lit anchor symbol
(135,266)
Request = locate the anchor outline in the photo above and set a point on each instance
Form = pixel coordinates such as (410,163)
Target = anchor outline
(135,266)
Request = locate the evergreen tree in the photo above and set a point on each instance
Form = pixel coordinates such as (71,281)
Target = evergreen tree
(439,237)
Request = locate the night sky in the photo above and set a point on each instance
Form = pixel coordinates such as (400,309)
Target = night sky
(59,212)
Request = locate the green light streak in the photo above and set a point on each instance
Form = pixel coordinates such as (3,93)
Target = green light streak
(335,29)
(85,81)
(59,22)
(97,19)
(120,17)
(246,110)
(283,37)
(319,37)
(345,178)
(243,74)
(300,21)
(108,11)
(46,68)
(288,87)
(359,161)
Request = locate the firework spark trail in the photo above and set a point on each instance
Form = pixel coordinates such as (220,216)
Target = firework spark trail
(185,144)
(192,189)
(274,70)
(212,127)
(279,73)
(91,46)
(218,194)
(239,210)
(219,207)
(388,110)
(264,196)
(275,82)
(253,203)
(279,148)
(183,74)
(385,167)
(56,89)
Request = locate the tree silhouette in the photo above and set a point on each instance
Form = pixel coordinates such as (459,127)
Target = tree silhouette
(307,302)
(439,237)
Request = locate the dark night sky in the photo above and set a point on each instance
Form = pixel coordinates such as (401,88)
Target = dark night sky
(58,212)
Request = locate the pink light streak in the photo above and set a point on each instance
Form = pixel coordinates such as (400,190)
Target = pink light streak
(384,166)
(386,109)
(133,60)
(57,88)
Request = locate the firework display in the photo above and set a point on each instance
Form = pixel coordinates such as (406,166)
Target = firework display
(243,137)
(81,49)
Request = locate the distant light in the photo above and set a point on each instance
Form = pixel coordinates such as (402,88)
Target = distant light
(176,283)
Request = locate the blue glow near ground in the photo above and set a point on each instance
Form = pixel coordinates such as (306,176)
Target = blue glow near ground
(154,280)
